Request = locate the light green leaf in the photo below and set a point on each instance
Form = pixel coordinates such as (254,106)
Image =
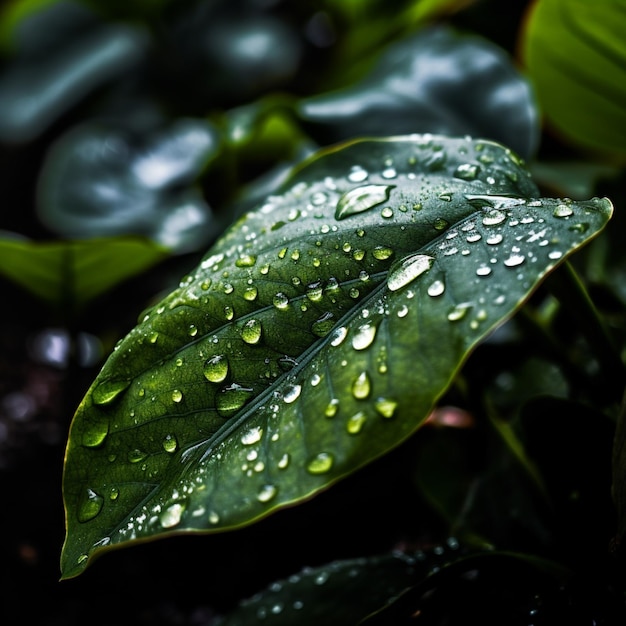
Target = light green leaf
(576,59)
(69,274)
(314,337)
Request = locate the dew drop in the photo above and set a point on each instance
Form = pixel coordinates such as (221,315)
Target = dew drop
(314,291)
(436,288)
(357,174)
(356,422)
(292,393)
(494,240)
(467,171)
(216,368)
(231,399)
(192,331)
(514,260)
(90,506)
(229,313)
(386,407)
(322,326)
(331,408)
(280,301)
(316,379)
(136,455)
(170,443)
(245,260)
(408,270)
(387,212)
(95,434)
(361,387)
(459,311)
(555,254)
(361,199)
(172,515)
(494,217)
(252,436)
(177,395)
(250,293)
(381,253)
(109,391)
(266,493)
(562,210)
(483,270)
(338,336)
(251,332)
(364,337)
(284,461)
(403,311)
(321,463)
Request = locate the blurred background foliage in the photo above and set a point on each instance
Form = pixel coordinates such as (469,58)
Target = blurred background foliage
(132,132)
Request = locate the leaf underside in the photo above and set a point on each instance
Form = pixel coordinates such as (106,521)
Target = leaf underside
(314,336)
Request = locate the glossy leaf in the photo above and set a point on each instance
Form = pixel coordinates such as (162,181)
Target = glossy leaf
(66,275)
(99,182)
(314,336)
(437,81)
(63,53)
(341,592)
(575,54)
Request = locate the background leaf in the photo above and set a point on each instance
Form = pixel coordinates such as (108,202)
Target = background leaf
(435,81)
(67,275)
(576,60)
(279,365)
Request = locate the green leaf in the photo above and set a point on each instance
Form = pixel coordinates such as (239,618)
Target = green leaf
(437,81)
(314,336)
(69,274)
(575,55)
(99,181)
(341,592)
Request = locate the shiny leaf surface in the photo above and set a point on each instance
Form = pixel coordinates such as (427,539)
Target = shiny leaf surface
(313,337)
(575,54)
(436,81)
(99,181)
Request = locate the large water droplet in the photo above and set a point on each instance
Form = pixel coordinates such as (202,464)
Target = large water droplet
(386,407)
(252,436)
(331,408)
(267,493)
(361,387)
(459,311)
(562,210)
(356,422)
(436,288)
(338,336)
(172,515)
(216,368)
(170,443)
(321,463)
(364,337)
(90,506)
(177,395)
(322,326)
(494,217)
(251,331)
(250,293)
(231,399)
(467,171)
(280,301)
(408,270)
(95,433)
(108,391)
(361,199)
(292,393)
(245,260)
(514,260)
(381,253)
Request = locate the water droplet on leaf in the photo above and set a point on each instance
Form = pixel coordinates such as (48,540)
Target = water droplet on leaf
(361,199)
(216,368)
(407,270)
(321,463)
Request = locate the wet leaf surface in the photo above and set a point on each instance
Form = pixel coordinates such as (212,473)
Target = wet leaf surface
(280,364)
